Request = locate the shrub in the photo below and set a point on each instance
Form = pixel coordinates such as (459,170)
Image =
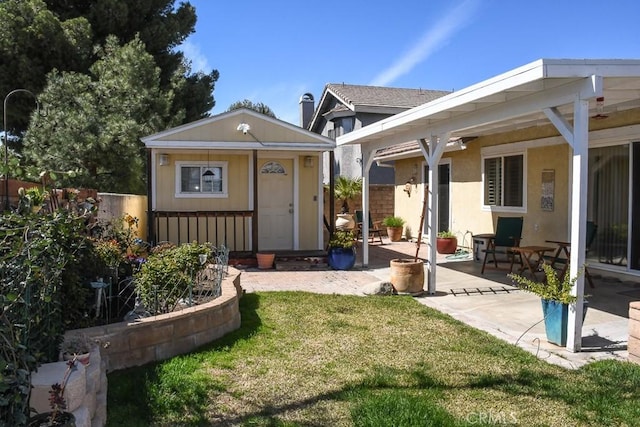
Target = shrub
(393,221)
(342,239)
(167,275)
(45,262)
(446,234)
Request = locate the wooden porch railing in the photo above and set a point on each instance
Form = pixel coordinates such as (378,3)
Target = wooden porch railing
(231,228)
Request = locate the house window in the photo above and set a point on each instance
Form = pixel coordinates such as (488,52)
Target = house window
(504,181)
(197,179)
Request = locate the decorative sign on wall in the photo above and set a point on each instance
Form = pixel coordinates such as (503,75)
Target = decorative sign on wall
(548,184)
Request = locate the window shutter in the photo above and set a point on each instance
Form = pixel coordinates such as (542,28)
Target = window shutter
(492,181)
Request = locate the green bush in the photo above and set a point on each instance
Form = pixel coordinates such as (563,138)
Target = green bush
(45,262)
(167,275)
(393,221)
(342,239)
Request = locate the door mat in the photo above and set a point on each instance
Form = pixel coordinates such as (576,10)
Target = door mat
(490,290)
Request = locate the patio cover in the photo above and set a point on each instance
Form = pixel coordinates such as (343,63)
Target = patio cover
(560,91)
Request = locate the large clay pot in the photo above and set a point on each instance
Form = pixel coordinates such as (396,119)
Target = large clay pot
(446,245)
(265,260)
(394,233)
(407,276)
(345,222)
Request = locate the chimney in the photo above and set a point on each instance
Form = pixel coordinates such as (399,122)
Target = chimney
(306,109)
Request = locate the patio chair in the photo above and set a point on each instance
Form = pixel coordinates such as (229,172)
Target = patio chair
(374,228)
(508,234)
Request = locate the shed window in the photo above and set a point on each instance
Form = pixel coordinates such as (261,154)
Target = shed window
(201,180)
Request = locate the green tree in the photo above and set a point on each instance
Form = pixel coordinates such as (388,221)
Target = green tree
(94,122)
(162,27)
(258,106)
(38,36)
(33,41)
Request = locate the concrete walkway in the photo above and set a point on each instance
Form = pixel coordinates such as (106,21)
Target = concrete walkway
(487,302)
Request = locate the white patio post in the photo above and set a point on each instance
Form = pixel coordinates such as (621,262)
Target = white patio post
(432,153)
(367,160)
(579,219)
(578,138)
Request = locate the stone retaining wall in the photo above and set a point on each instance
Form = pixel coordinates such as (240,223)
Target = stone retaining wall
(128,344)
(634,332)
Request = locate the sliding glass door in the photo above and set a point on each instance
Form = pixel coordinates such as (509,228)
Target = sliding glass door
(608,204)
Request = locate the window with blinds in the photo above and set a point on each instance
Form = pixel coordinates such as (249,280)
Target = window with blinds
(504,181)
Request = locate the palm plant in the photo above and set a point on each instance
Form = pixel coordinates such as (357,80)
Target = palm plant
(347,188)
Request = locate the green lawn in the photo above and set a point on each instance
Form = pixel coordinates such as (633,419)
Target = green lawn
(303,359)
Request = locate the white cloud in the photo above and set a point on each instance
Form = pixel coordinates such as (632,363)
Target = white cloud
(198,60)
(433,39)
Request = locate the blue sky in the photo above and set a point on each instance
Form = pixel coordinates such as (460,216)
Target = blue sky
(273,52)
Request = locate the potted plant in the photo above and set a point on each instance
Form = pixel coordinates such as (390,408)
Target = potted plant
(394,226)
(446,242)
(265,260)
(32,199)
(556,296)
(77,346)
(342,251)
(58,416)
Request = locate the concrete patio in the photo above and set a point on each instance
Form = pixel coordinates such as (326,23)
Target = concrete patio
(488,302)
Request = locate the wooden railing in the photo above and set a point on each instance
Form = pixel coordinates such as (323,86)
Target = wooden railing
(231,228)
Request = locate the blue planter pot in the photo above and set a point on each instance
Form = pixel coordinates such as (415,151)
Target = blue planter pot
(341,258)
(556,317)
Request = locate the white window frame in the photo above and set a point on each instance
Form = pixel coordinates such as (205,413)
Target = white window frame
(502,151)
(179,194)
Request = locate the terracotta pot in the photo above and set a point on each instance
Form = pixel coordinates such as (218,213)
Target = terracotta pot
(407,276)
(265,260)
(394,233)
(446,245)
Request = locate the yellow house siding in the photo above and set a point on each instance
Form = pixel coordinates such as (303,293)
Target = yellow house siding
(308,203)
(466,192)
(238,181)
(408,207)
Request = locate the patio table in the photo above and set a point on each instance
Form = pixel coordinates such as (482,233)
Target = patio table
(532,257)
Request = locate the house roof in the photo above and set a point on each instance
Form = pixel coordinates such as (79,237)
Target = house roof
(224,131)
(371,99)
(524,97)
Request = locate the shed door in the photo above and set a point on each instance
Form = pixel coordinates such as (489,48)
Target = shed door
(275,204)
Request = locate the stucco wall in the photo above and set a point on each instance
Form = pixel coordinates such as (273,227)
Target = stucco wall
(115,205)
(466,213)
